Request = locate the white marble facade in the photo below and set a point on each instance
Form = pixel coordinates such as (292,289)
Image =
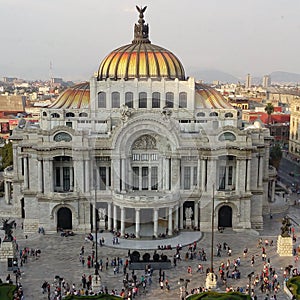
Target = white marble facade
(142,150)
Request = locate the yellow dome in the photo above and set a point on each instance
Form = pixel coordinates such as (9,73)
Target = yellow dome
(141,59)
(77,96)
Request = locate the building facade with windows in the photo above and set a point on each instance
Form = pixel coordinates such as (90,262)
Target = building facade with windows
(145,146)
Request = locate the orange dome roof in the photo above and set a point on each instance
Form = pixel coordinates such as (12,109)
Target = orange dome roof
(77,96)
(141,59)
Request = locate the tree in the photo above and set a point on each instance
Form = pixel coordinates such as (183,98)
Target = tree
(7,156)
(269,109)
(275,155)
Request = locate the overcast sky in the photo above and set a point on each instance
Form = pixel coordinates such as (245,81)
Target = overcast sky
(234,36)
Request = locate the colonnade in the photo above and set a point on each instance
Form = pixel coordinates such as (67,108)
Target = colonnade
(175,218)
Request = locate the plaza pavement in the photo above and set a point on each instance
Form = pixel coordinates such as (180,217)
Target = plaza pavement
(60,256)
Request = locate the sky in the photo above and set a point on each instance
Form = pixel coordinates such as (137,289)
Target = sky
(74,36)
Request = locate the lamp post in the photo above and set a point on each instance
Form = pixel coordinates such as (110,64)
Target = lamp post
(249,277)
(211,279)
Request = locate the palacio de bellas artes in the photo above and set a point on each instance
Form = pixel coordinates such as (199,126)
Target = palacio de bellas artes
(146,147)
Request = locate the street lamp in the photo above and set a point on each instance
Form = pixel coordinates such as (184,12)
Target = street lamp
(211,278)
(249,277)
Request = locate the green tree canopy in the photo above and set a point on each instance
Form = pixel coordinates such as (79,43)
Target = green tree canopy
(275,155)
(7,156)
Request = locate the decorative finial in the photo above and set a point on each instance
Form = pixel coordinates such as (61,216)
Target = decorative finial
(141,31)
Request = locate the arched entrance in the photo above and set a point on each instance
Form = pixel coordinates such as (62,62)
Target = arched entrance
(225,216)
(64,218)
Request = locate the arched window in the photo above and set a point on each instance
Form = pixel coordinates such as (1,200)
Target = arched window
(229,115)
(102,100)
(227,136)
(55,115)
(70,115)
(62,136)
(83,115)
(129,99)
(213,114)
(44,114)
(155,100)
(170,100)
(115,100)
(182,100)
(142,100)
(200,114)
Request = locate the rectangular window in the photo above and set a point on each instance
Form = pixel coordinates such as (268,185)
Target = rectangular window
(155,100)
(135,179)
(135,157)
(69,124)
(195,176)
(145,180)
(57,176)
(101,100)
(182,100)
(230,175)
(222,176)
(102,173)
(144,157)
(129,99)
(115,100)
(154,178)
(186,178)
(170,99)
(142,100)
(153,156)
(66,178)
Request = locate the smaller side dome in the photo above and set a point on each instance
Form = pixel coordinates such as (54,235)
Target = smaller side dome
(77,96)
(208,97)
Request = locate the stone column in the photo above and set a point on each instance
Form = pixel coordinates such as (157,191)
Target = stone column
(122,221)
(107,178)
(160,174)
(261,171)
(25,161)
(137,222)
(176,217)
(7,192)
(109,227)
(115,218)
(149,178)
(167,173)
(170,219)
(243,175)
(87,176)
(40,177)
(237,176)
(123,176)
(192,177)
(181,217)
(248,175)
(175,173)
(211,180)
(203,174)
(155,222)
(199,169)
(273,191)
(51,175)
(196,214)
(140,178)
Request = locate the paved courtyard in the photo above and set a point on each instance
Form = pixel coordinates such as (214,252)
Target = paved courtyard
(60,256)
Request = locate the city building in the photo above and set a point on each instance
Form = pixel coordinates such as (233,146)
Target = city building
(146,146)
(248,83)
(294,143)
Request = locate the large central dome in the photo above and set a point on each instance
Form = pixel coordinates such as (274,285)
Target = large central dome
(141,59)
